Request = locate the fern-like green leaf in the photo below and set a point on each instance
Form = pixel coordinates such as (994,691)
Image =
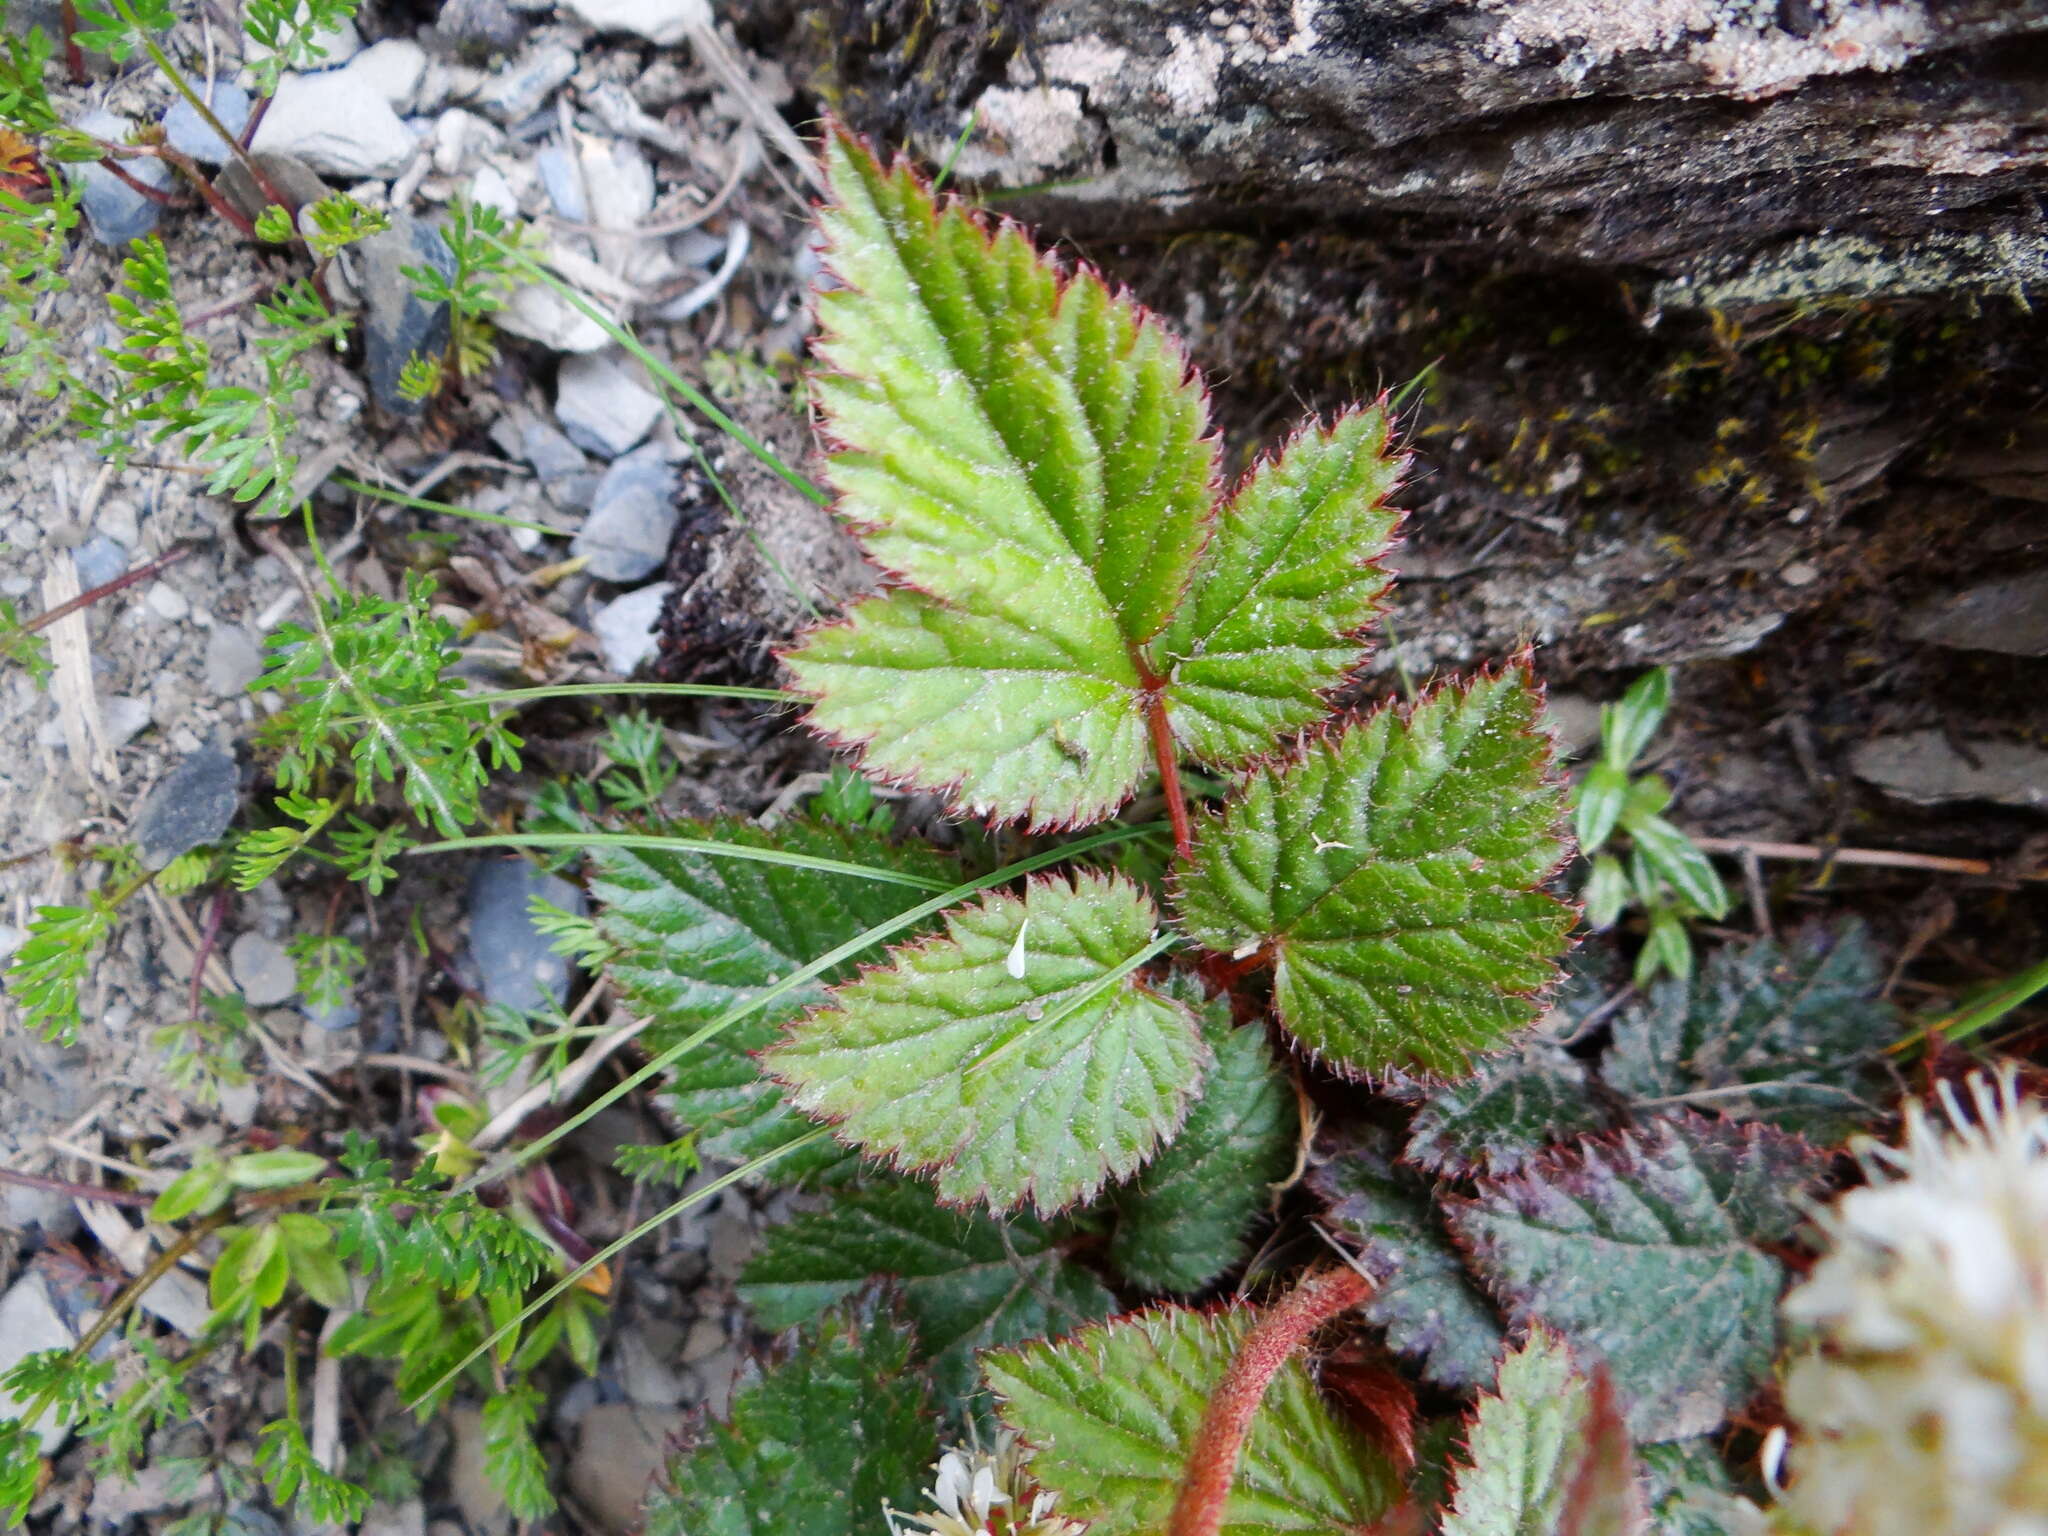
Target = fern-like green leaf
(967,1281)
(1031,455)
(1393,872)
(1114,1410)
(697,936)
(1645,1252)
(1018,1058)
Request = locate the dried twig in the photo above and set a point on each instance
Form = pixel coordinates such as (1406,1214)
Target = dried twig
(1880,858)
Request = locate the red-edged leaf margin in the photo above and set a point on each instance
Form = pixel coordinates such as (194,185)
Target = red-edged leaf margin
(1413,1076)
(1067,275)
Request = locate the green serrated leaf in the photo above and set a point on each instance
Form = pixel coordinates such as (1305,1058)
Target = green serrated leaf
(1114,1411)
(1394,873)
(1183,1220)
(1526,1436)
(1643,1252)
(1018,1058)
(1273,614)
(1802,1022)
(697,935)
(966,1281)
(817,1444)
(1028,452)
(1426,1302)
(1512,1107)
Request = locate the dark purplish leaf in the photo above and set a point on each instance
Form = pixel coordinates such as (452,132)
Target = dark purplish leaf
(1426,1301)
(1801,1022)
(1642,1251)
(1512,1107)
(967,1281)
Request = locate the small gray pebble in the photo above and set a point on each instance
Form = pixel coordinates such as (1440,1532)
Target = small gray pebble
(191,805)
(632,518)
(515,961)
(115,211)
(99,560)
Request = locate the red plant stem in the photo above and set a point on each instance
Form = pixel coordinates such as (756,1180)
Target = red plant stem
(1169,773)
(77,1191)
(248,134)
(1273,1340)
(206,189)
(170,556)
(156,195)
(216,914)
(74,56)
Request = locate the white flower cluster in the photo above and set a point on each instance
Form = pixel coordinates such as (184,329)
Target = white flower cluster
(1922,1409)
(989,1493)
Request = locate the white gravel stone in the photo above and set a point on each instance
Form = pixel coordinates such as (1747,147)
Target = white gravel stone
(625,627)
(262,970)
(602,405)
(336,122)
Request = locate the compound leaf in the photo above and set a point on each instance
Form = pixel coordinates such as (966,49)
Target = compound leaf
(1643,1252)
(1017,1058)
(1802,1022)
(771,1470)
(1030,453)
(1393,871)
(1114,1411)
(1511,1107)
(1274,612)
(1426,1302)
(1182,1221)
(966,1281)
(697,935)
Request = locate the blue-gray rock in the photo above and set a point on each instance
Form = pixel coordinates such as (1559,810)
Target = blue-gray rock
(99,560)
(602,404)
(343,1016)
(632,518)
(396,321)
(185,130)
(564,473)
(514,960)
(191,806)
(114,211)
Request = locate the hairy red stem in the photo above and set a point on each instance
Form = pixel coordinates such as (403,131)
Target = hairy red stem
(1169,773)
(1273,1340)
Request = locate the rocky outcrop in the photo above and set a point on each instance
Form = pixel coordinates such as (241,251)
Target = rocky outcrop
(1685,136)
